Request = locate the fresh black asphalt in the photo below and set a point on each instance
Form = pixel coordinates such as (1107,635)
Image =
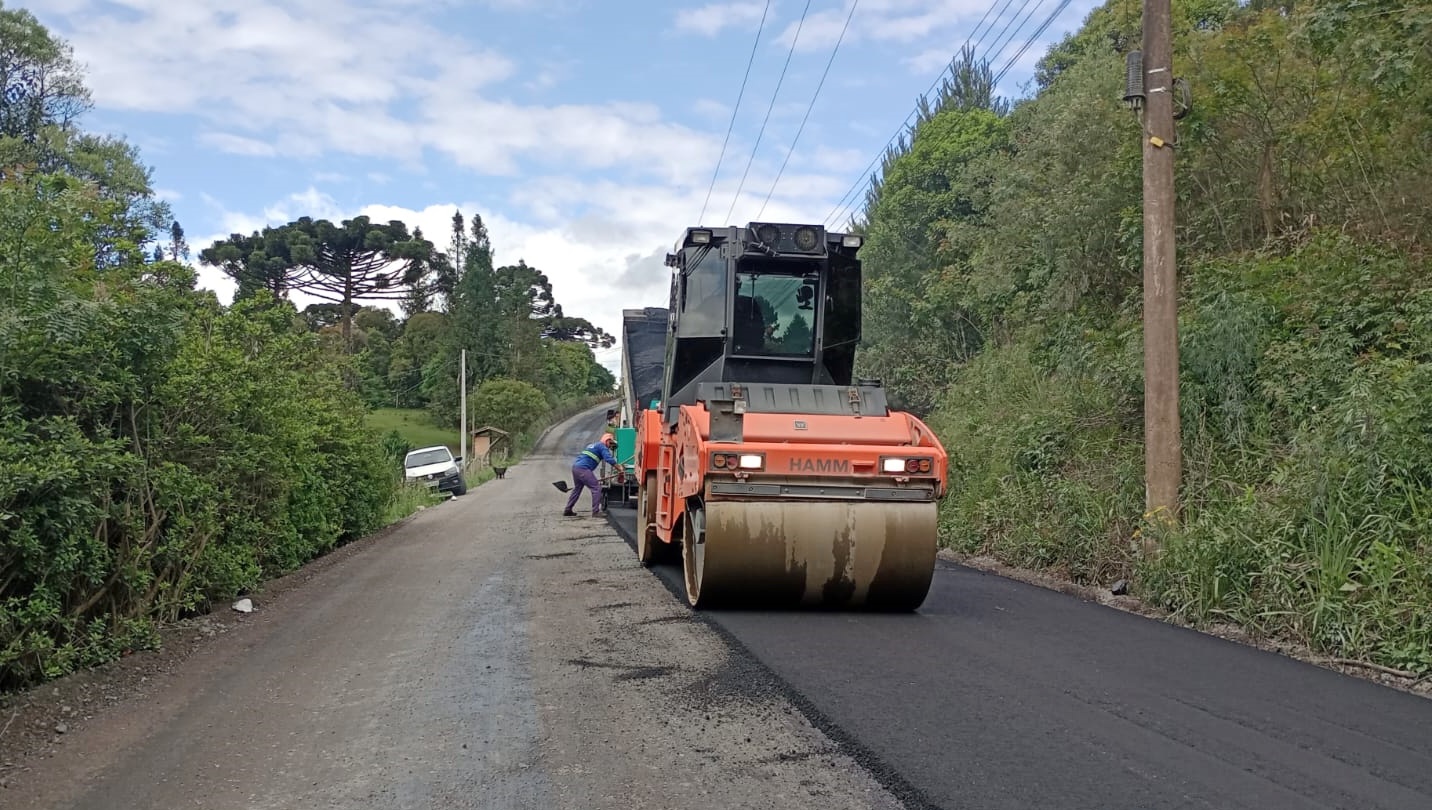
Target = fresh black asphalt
(998,694)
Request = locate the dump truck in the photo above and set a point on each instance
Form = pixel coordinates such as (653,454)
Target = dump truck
(775,475)
(643,350)
(643,359)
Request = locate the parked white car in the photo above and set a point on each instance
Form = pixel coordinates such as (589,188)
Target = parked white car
(436,467)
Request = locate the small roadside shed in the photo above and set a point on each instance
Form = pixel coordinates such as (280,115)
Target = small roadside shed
(488,440)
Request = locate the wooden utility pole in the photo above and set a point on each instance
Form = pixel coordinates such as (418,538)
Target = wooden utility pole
(462,407)
(1163,453)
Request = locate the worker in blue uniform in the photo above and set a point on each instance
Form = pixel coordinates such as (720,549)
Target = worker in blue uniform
(584,474)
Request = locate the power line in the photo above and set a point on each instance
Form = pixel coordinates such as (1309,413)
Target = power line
(781,80)
(1047,22)
(1012,37)
(996,47)
(997,17)
(848,202)
(809,107)
(750,61)
(842,204)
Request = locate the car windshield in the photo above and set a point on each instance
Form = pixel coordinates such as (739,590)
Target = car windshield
(422,458)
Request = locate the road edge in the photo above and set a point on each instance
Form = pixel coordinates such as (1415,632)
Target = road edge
(881,771)
(1419,686)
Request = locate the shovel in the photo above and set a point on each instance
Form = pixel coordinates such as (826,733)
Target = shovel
(560,485)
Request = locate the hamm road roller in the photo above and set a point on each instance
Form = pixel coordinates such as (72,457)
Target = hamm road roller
(780,479)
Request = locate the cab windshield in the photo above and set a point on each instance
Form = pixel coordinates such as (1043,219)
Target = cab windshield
(774,313)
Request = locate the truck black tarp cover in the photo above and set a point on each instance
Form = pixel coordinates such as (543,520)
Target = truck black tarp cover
(643,353)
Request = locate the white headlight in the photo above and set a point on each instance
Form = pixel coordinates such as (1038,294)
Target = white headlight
(750,462)
(894,465)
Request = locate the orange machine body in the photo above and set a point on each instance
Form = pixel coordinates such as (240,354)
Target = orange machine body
(821,450)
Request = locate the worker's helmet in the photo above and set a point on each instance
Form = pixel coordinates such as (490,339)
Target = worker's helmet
(608,439)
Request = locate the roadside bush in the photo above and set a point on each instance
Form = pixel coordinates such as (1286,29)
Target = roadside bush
(1306,380)
(157,452)
(1323,534)
(510,405)
(1043,472)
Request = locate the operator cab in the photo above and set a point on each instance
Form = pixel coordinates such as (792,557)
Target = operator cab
(766,303)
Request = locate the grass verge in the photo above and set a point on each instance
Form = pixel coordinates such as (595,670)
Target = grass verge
(415,426)
(409,498)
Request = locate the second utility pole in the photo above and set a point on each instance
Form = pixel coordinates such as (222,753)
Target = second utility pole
(462,440)
(1163,453)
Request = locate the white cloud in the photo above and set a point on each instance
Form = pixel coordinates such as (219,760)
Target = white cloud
(901,22)
(272,79)
(603,251)
(818,31)
(843,162)
(710,108)
(380,82)
(928,62)
(237,144)
(713,18)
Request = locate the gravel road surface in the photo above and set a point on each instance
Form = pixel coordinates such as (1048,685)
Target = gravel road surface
(487,654)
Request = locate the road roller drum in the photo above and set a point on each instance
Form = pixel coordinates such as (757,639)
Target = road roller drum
(818,554)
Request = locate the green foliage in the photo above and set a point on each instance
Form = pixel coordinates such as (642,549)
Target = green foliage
(413,427)
(409,498)
(1044,471)
(1003,268)
(915,339)
(1320,532)
(508,320)
(509,405)
(158,453)
(342,263)
(35,61)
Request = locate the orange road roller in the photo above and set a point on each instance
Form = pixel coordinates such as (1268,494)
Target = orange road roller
(779,478)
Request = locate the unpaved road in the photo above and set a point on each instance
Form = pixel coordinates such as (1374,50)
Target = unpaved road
(487,654)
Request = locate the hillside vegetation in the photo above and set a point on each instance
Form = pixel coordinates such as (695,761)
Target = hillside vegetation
(160,452)
(1004,268)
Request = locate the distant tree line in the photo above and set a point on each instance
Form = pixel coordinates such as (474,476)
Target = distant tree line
(507,318)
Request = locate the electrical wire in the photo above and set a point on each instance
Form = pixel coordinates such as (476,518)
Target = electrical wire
(809,107)
(997,47)
(779,81)
(841,204)
(1049,20)
(750,61)
(981,40)
(1040,31)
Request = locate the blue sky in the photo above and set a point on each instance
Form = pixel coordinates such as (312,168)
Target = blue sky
(585,133)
